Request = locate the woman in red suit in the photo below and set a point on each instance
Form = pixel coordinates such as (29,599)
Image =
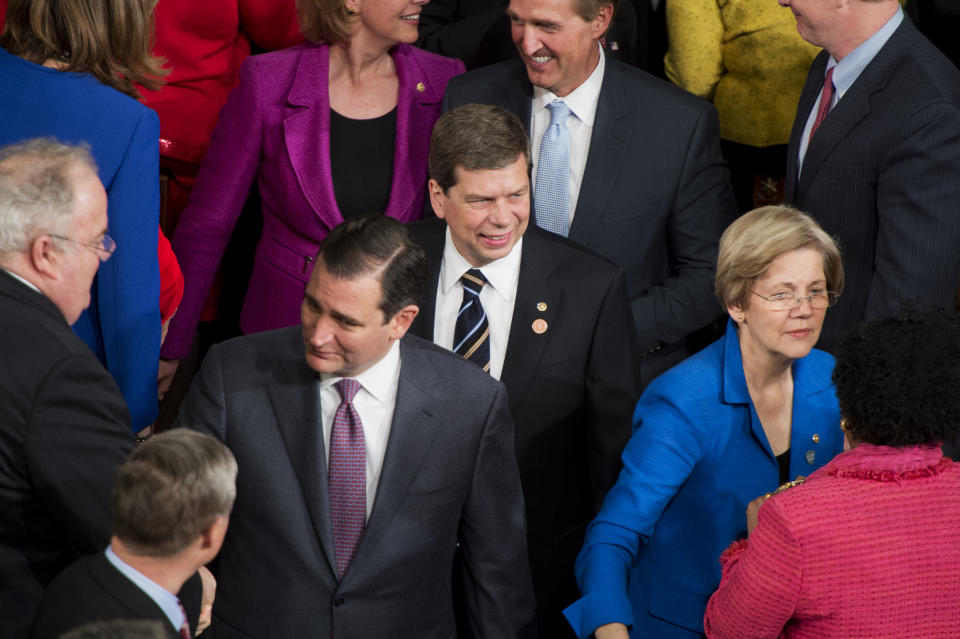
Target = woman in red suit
(867,547)
(335,128)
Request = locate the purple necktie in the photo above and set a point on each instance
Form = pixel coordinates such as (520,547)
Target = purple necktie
(347,476)
(826,97)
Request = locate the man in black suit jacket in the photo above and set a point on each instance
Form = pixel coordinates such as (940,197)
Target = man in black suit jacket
(560,335)
(438,465)
(653,194)
(64,428)
(881,171)
(171,507)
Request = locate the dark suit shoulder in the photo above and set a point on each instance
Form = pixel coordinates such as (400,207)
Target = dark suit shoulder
(488,85)
(573,256)
(263,348)
(449,367)
(650,91)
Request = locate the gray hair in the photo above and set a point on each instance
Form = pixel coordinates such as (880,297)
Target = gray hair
(37,190)
(170,490)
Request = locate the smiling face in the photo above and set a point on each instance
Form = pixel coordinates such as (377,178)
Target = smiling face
(344,330)
(559,48)
(390,21)
(767,334)
(487,210)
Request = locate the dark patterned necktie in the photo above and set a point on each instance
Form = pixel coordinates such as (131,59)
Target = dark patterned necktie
(347,477)
(185,626)
(471,335)
(826,97)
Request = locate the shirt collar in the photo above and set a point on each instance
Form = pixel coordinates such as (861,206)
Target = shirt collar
(502,274)
(849,69)
(376,380)
(166,600)
(21,280)
(582,101)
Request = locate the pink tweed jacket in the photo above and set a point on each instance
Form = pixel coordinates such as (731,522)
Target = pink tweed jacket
(868,547)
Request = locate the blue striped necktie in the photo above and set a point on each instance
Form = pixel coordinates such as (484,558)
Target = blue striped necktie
(551,198)
(471,335)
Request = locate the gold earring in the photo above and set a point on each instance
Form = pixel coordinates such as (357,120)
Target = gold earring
(843,424)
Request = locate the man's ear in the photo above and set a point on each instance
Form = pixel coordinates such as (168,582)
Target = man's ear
(212,538)
(437,197)
(601,22)
(402,320)
(45,257)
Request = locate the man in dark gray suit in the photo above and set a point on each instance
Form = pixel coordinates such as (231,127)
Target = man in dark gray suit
(643,183)
(64,428)
(363,464)
(874,156)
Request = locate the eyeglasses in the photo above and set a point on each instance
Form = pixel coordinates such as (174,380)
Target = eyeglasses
(818,299)
(104,248)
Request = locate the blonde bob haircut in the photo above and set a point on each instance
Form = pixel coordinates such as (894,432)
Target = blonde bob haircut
(325,20)
(109,39)
(757,238)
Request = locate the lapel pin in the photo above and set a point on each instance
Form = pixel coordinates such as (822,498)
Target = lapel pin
(421,87)
(539,326)
(810,456)
(541,306)
(816,438)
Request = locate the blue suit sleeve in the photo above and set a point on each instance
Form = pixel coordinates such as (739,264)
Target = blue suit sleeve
(128,285)
(656,462)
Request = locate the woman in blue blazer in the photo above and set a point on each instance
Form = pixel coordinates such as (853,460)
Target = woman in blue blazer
(731,423)
(65,81)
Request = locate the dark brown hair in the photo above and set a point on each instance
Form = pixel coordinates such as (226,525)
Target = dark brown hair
(109,39)
(476,137)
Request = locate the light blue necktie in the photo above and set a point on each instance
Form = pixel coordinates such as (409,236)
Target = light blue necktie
(552,196)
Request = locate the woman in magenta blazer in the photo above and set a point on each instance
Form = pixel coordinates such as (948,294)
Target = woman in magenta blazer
(867,547)
(285,125)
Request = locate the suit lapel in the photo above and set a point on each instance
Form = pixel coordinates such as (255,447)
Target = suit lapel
(296,404)
(416,107)
(810,94)
(853,107)
(307,133)
(608,143)
(431,234)
(411,435)
(525,347)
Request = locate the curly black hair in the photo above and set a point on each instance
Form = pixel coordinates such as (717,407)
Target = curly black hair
(898,378)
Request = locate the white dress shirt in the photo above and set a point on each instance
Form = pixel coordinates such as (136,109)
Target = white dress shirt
(166,600)
(582,103)
(497,298)
(374,402)
(846,72)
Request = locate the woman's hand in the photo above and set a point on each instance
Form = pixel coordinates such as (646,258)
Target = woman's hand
(612,631)
(753,508)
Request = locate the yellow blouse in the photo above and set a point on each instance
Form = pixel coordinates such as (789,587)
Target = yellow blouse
(746,57)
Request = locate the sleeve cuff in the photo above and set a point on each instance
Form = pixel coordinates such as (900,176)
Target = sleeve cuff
(596,609)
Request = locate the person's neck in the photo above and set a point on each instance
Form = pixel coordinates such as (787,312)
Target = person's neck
(868,18)
(360,58)
(169,573)
(764,371)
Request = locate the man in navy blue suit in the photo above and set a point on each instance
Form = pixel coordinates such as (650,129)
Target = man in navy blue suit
(878,168)
(646,186)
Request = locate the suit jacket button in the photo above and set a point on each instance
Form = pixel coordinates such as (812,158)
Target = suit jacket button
(339,601)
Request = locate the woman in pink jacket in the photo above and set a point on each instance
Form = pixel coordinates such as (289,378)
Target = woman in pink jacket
(868,545)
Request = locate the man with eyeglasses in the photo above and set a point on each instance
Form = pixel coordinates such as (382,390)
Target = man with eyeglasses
(64,427)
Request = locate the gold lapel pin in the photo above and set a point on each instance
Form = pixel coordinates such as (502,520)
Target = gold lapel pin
(421,87)
(541,306)
(539,326)
(816,438)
